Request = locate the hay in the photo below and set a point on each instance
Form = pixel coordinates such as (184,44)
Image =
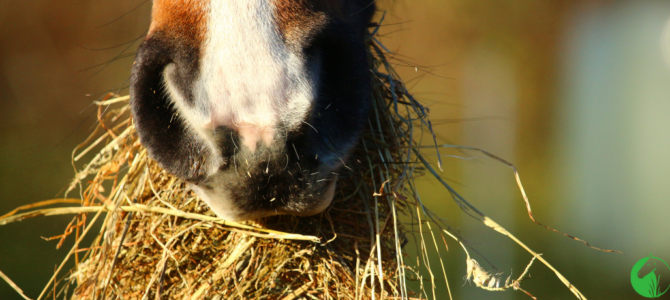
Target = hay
(159,240)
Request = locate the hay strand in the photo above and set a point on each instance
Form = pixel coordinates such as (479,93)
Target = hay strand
(266,233)
(13,285)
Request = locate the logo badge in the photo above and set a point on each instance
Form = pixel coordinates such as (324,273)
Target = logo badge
(650,277)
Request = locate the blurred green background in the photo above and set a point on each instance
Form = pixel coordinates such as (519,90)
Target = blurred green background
(575,93)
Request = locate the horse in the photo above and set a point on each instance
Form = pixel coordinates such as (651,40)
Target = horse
(255,104)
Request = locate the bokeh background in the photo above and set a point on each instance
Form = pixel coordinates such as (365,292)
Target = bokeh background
(575,93)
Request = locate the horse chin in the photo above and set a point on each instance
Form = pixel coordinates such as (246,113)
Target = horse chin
(219,200)
(317,207)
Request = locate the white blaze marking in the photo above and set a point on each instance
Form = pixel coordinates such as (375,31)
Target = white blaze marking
(249,80)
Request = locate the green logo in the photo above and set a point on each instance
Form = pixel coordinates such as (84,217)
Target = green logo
(650,277)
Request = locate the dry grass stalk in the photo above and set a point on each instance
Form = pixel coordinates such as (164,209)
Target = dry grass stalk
(13,285)
(158,240)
